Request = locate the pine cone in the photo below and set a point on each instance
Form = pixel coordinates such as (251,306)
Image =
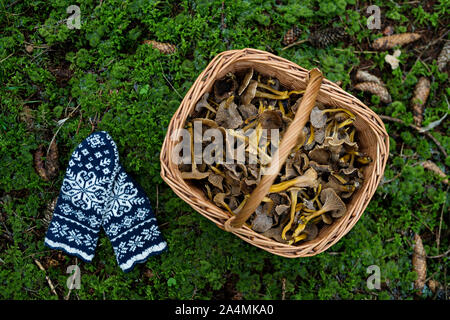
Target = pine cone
(420,98)
(291,35)
(162,47)
(419,262)
(365,76)
(376,89)
(389,42)
(444,56)
(325,37)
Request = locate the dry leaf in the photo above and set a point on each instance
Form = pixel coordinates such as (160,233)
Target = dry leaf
(376,89)
(388,31)
(430,165)
(162,47)
(51,163)
(39,164)
(444,56)
(46,170)
(364,76)
(419,263)
(421,93)
(389,42)
(393,59)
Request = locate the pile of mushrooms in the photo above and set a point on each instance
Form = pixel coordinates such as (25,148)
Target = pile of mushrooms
(319,177)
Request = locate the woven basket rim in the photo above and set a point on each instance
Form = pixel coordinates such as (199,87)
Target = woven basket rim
(329,93)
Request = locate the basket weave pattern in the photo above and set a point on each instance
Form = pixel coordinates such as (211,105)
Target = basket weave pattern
(373,138)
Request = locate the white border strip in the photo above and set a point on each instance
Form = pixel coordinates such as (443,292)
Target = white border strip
(143,255)
(58,245)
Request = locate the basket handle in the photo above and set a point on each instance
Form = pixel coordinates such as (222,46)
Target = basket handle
(288,142)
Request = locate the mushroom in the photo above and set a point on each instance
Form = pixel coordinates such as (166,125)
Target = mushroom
(271,119)
(310,233)
(275,233)
(320,167)
(294,195)
(225,87)
(194,174)
(320,155)
(318,117)
(248,111)
(262,222)
(216,180)
(249,93)
(203,103)
(227,115)
(246,81)
(219,200)
(309,179)
(338,187)
(331,203)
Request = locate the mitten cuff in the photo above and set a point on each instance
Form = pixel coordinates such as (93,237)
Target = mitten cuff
(138,243)
(71,237)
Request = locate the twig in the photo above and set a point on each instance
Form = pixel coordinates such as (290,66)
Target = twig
(2,261)
(440,255)
(283,289)
(294,44)
(61,123)
(4,59)
(438,239)
(426,133)
(52,287)
(162,72)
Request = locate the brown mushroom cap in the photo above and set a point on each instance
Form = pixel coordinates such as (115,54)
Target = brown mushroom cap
(224,88)
(216,180)
(246,81)
(227,115)
(332,203)
(262,222)
(271,119)
(249,93)
(312,231)
(248,111)
(320,167)
(319,135)
(203,102)
(320,155)
(317,118)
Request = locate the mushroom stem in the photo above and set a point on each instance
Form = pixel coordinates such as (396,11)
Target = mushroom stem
(308,179)
(280,106)
(340,178)
(271,96)
(352,116)
(344,123)
(294,194)
(301,237)
(278,93)
(217,171)
(316,197)
(311,135)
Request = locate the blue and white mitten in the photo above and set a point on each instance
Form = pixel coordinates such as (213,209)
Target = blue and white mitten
(80,206)
(130,224)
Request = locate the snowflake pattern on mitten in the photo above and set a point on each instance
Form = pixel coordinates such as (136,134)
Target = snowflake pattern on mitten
(130,223)
(86,187)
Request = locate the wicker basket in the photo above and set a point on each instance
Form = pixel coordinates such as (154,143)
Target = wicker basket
(372,135)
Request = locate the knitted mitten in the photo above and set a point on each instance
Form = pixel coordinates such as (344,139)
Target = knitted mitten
(130,223)
(87,184)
